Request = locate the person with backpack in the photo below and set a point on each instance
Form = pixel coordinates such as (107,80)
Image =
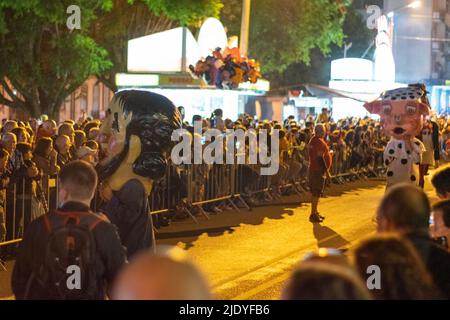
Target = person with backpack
(70,253)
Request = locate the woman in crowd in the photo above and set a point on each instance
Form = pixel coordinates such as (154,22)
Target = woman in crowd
(403,275)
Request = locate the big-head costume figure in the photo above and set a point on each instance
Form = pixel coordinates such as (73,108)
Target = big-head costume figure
(402,112)
(137,131)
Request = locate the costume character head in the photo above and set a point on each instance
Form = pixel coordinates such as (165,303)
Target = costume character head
(138,127)
(402,111)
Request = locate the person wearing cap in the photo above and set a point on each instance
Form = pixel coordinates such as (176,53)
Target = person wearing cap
(87,154)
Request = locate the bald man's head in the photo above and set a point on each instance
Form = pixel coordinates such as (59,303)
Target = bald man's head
(9,141)
(404,208)
(63,144)
(319,130)
(167,276)
(9,126)
(50,127)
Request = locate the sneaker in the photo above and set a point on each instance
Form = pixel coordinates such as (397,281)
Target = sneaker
(314,218)
(320,216)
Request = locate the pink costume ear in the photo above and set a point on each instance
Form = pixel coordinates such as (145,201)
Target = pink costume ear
(424,109)
(374,107)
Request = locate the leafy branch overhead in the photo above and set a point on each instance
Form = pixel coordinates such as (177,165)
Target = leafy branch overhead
(285,31)
(42,62)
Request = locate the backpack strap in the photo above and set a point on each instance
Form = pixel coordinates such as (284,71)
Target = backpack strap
(76,215)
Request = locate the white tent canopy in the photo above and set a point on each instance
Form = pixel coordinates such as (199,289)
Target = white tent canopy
(162,52)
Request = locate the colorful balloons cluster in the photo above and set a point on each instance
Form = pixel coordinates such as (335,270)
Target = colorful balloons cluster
(227,69)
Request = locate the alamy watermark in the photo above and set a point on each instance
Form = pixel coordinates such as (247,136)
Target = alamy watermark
(374,280)
(74,279)
(74,20)
(374,13)
(234,144)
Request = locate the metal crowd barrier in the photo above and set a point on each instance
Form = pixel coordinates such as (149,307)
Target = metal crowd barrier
(22,201)
(190,189)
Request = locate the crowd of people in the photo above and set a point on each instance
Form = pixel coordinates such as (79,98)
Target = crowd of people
(402,261)
(356,148)
(33,153)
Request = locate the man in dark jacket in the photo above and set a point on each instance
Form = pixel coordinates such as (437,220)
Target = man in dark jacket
(405,209)
(78,181)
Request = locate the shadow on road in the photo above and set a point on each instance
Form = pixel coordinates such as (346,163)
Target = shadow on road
(327,237)
(187,232)
(225,223)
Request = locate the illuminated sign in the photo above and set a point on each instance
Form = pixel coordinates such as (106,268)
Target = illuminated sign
(155,80)
(136,80)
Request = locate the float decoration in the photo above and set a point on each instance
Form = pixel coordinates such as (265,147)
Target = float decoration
(227,69)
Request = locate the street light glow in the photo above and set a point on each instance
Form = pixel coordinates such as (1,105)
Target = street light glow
(415,4)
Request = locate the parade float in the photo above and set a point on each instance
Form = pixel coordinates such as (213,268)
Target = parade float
(200,74)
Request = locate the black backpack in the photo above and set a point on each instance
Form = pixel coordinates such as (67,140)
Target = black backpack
(69,271)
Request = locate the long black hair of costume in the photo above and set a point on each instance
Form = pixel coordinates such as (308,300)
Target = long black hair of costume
(154,117)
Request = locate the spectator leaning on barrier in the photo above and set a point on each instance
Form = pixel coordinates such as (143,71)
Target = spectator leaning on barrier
(63,146)
(405,209)
(4,181)
(27,177)
(67,129)
(21,134)
(403,275)
(47,130)
(45,156)
(9,126)
(70,238)
(80,138)
(9,142)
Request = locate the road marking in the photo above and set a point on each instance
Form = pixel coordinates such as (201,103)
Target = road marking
(270,262)
(281,278)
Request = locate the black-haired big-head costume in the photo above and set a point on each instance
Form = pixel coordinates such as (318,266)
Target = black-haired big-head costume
(140,125)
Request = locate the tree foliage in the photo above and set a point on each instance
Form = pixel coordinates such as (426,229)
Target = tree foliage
(318,69)
(285,31)
(295,40)
(41,60)
(128,19)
